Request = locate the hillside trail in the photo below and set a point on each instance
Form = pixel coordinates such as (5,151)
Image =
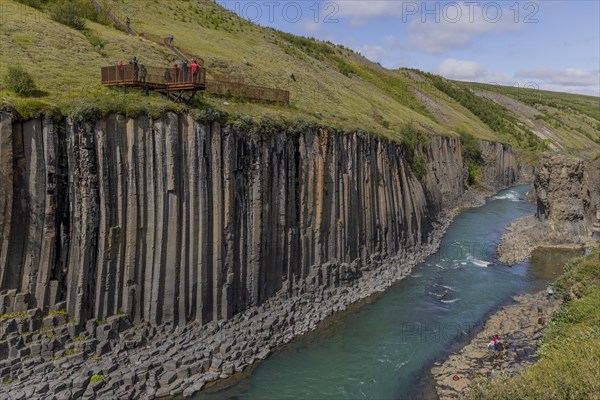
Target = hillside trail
(144,36)
(217,83)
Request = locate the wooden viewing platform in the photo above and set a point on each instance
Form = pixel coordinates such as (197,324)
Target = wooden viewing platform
(174,84)
(167,81)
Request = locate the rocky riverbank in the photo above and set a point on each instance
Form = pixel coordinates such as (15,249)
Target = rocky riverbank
(520,324)
(113,359)
(529,233)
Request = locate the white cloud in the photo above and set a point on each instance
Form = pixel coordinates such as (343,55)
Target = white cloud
(473,71)
(368,9)
(361,12)
(372,52)
(456,28)
(569,80)
(590,90)
(461,69)
(564,77)
(310,26)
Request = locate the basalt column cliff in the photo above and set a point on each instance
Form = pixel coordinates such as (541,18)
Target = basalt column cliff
(171,220)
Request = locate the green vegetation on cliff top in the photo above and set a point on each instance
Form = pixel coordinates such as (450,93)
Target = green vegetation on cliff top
(569,365)
(333,85)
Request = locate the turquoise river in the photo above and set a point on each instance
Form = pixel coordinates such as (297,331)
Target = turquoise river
(384,347)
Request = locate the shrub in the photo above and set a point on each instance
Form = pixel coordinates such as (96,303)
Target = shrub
(474,174)
(67,13)
(345,68)
(97,378)
(20,81)
(471,152)
(95,39)
(415,142)
(83,111)
(419,166)
(39,4)
(470,148)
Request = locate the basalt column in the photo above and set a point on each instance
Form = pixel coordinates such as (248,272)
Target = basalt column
(170,220)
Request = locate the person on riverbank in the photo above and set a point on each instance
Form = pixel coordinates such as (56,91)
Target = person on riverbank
(549,291)
(495,344)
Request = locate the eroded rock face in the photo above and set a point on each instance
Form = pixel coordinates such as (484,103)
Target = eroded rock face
(564,191)
(567,192)
(500,167)
(172,221)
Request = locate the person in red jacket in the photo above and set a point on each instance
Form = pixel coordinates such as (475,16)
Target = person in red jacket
(195,68)
(176,71)
(120,71)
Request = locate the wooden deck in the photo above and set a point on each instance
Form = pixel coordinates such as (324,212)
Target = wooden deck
(177,85)
(154,77)
(172,82)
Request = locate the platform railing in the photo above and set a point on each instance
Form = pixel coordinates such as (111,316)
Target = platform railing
(177,78)
(241,90)
(166,77)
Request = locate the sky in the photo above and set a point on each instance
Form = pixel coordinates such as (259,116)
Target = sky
(545,44)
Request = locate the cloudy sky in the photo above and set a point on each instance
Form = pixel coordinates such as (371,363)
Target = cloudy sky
(550,44)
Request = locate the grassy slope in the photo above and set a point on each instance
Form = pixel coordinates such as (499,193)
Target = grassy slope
(572,121)
(569,367)
(333,86)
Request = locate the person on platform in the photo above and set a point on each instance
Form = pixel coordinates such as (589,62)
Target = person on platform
(195,69)
(120,70)
(134,63)
(143,73)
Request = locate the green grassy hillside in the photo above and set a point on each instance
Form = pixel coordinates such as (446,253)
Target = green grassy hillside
(332,85)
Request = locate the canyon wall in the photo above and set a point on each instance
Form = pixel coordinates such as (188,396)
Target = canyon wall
(171,220)
(567,195)
(499,166)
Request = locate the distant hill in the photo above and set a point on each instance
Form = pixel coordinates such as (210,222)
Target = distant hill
(329,84)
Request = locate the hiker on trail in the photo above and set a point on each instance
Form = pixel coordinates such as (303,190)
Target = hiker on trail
(549,291)
(120,70)
(195,68)
(170,39)
(127,22)
(143,73)
(134,63)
